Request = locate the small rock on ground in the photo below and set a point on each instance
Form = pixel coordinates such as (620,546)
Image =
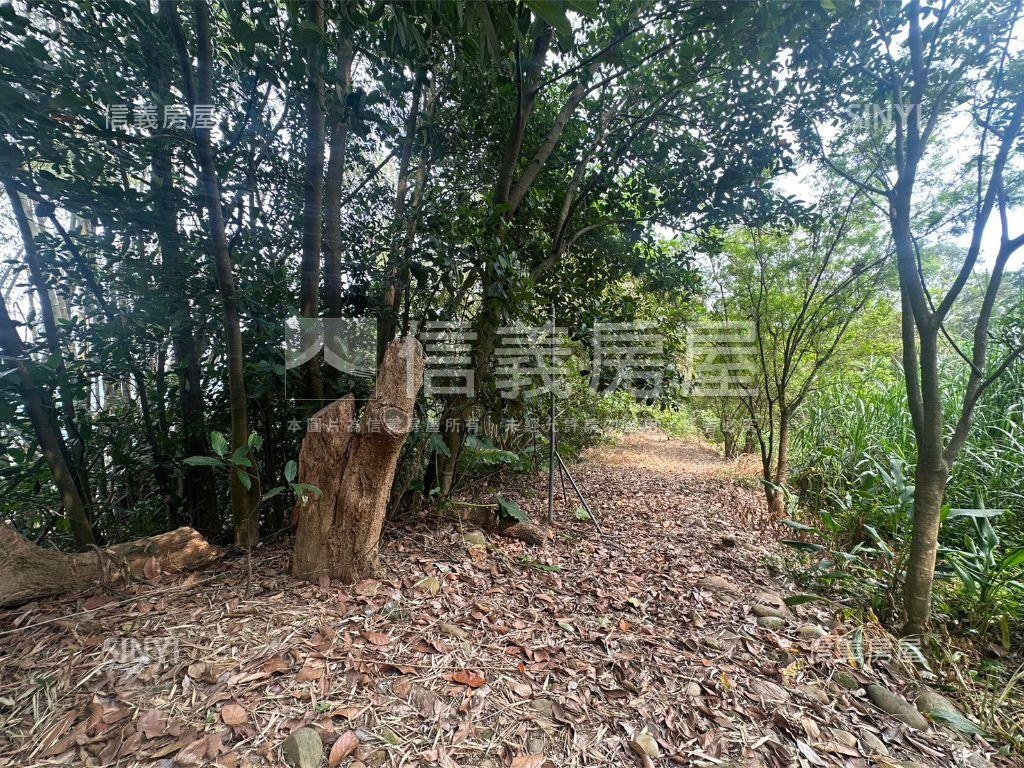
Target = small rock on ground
(717,584)
(846,680)
(761,610)
(774,623)
(810,631)
(813,692)
(304,749)
(897,706)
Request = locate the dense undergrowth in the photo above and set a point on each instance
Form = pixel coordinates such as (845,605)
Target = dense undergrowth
(851,508)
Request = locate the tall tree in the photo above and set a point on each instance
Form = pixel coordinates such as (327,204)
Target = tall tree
(396,274)
(313,187)
(75,455)
(51,442)
(628,78)
(199,483)
(340,117)
(199,91)
(923,62)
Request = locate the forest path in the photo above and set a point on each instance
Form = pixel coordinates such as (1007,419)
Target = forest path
(639,647)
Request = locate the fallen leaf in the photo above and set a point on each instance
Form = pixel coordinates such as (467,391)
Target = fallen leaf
(344,746)
(429,584)
(528,761)
(200,752)
(275,664)
(233,714)
(151,569)
(466,677)
(152,723)
(426,701)
(522,689)
(807,752)
(349,713)
(427,645)
(311,670)
(367,588)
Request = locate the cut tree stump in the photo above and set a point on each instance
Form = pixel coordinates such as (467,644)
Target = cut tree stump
(353,465)
(28,571)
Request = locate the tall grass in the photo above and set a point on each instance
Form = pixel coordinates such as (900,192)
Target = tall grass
(861,419)
(853,456)
(853,469)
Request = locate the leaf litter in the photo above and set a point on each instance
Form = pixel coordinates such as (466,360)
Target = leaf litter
(641,647)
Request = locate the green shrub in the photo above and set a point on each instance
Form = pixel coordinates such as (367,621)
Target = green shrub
(853,457)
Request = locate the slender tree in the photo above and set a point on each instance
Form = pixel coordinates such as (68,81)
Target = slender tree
(804,292)
(312,189)
(199,91)
(926,61)
(51,442)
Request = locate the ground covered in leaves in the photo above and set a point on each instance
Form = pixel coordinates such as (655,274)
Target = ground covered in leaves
(666,641)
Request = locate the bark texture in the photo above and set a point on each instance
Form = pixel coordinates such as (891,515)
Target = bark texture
(28,572)
(199,487)
(312,197)
(332,240)
(338,532)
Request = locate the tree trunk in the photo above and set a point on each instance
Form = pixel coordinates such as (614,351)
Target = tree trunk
(452,428)
(930,485)
(930,477)
(729,440)
(388,322)
(453,423)
(28,572)
(526,88)
(335,176)
(246,522)
(75,451)
(766,446)
(781,472)
(729,437)
(339,531)
(51,442)
(510,194)
(200,486)
(312,201)
(776,502)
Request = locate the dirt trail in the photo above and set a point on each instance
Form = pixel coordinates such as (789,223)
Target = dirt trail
(636,648)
